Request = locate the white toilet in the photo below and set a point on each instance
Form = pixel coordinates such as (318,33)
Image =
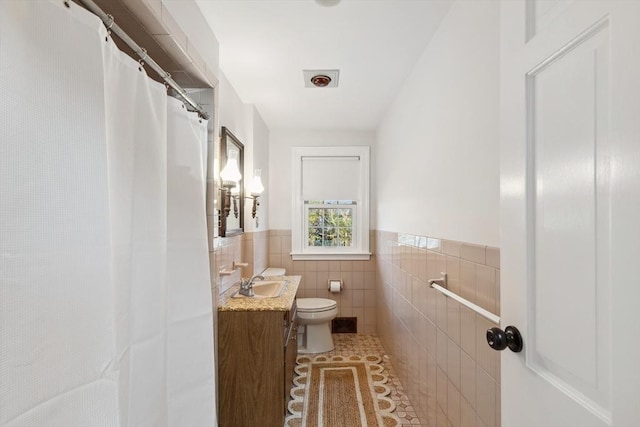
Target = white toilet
(314,324)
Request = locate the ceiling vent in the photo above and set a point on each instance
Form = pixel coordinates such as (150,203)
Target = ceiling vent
(321,78)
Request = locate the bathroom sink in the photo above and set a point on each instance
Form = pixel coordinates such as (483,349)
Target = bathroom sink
(265,289)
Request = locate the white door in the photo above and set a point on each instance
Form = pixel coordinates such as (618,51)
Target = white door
(570,212)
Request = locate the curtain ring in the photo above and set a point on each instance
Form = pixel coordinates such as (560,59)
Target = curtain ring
(142,54)
(109,25)
(111,22)
(166,78)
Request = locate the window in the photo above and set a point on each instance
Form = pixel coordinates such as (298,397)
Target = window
(329,223)
(330,203)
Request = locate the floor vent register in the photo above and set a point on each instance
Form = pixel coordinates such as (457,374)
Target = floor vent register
(344,325)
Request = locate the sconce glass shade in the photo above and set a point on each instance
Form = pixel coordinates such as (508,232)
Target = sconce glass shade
(256,187)
(231,173)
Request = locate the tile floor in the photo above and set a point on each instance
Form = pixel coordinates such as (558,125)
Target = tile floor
(369,344)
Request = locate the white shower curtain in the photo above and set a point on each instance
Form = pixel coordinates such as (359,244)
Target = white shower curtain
(105,301)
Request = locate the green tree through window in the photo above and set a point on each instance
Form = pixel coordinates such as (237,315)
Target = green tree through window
(330,226)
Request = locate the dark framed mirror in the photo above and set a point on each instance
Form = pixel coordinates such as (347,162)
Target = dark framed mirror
(232,192)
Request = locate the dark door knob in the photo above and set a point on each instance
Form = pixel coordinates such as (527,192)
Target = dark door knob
(499,339)
(496,339)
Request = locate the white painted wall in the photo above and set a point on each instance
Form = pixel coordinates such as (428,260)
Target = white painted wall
(259,160)
(437,150)
(244,121)
(234,114)
(280,184)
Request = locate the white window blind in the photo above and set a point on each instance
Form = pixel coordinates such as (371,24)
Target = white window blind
(330,178)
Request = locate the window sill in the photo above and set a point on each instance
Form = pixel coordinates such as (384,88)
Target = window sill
(331,256)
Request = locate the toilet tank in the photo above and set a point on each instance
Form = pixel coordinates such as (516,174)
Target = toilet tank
(272,271)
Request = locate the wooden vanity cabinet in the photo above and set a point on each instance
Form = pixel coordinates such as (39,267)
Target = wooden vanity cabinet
(256,357)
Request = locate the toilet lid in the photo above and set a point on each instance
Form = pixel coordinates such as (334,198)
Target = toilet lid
(315,304)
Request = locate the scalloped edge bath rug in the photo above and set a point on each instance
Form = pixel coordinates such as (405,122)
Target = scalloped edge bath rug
(341,391)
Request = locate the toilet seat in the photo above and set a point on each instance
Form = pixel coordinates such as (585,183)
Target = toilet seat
(315,305)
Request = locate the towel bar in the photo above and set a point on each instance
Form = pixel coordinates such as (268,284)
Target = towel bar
(481,311)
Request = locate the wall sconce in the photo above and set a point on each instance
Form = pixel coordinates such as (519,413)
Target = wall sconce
(229,176)
(256,190)
(235,195)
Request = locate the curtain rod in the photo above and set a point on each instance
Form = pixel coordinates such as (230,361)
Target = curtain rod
(109,22)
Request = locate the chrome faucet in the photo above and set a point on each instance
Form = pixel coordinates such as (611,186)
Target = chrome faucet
(246,286)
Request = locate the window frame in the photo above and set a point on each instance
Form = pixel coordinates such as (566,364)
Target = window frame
(300,250)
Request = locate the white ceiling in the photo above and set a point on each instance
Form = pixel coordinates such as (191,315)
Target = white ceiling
(265,45)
